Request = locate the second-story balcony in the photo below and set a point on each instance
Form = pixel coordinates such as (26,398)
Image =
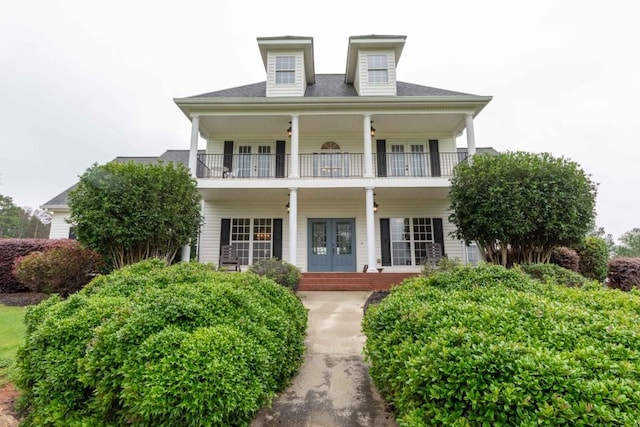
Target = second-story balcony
(327,165)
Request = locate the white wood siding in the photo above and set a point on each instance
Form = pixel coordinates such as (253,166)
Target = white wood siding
(363,86)
(59,226)
(297,89)
(308,209)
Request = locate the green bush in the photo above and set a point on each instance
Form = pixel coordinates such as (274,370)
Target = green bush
(162,346)
(493,347)
(594,254)
(288,275)
(64,269)
(566,258)
(444,264)
(554,273)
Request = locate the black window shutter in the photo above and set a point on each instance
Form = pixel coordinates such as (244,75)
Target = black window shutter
(438,233)
(277,238)
(434,156)
(381,157)
(225,232)
(227,160)
(385,241)
(280,159)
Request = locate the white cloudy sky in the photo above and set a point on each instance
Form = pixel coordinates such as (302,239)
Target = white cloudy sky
(86,81)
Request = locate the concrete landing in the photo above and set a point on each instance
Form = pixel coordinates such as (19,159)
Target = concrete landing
(333,387)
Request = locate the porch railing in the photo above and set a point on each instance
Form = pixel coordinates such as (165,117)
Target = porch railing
(327,165)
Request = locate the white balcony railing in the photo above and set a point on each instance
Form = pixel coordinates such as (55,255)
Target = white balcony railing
(327,165)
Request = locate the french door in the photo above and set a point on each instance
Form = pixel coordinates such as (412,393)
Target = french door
(331,244)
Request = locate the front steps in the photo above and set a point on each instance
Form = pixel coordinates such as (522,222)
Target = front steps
(351,281)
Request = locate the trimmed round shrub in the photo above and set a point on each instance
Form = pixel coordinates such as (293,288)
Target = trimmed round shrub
(490,346)
(288,275)
(566,258)
(11,250)
(594,255)
(63,270)
(555,274)
(624,273)
(151,345)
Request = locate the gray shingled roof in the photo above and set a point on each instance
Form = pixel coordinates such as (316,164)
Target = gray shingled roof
(175,156)
(326,85)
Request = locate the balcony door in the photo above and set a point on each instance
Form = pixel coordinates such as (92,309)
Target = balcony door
(331,244)
(407,160)
(261,165)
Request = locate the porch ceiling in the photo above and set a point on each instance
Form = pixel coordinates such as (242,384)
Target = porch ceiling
(281,195)
(321,124)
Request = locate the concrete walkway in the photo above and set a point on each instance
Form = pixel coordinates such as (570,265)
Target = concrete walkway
(333,387)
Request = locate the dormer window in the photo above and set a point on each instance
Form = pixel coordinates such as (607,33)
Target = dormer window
(285,69)
(378,68)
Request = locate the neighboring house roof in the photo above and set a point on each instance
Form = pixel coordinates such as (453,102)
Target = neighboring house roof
(175,156)
(481,150)
(327,85)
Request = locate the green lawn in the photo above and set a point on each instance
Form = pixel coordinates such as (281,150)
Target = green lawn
(11,336)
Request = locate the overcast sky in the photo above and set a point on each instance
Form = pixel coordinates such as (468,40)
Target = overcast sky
(85,81)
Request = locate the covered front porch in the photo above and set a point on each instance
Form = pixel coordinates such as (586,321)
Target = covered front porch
(329,229)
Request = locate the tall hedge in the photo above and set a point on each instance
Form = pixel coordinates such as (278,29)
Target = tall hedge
(594,255)
(151,345)
(492,347)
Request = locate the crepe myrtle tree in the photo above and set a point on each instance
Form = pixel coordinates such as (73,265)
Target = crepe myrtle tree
(131,211)
(519,206)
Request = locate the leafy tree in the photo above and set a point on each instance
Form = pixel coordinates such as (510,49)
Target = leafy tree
(606,237)
(17,222)
(519,206)
(130,211)
(629,244)
(9,217)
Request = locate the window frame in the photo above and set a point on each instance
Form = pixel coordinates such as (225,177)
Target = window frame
(286,70)
(415,245)
(377,68)
(253,239)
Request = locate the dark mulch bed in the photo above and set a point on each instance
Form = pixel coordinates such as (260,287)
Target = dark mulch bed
(374,298)
(22,298)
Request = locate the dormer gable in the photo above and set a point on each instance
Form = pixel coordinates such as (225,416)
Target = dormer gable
(372,62)
(288,61)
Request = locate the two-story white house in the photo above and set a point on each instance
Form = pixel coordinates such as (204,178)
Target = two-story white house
(330,172)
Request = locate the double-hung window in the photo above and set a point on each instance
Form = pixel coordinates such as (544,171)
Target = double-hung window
(285,69)
(252,238)
(378,68)
(409,238)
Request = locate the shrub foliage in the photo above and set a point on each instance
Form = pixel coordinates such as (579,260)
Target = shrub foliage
(162,346)
(566,258)
(129,212)
(624,273)
(64,269)
(555,274)
(594,254)
(519,206)
(10,251)
(288,275)
(492,347)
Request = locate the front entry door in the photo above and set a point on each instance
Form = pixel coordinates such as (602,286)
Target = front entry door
(332,244)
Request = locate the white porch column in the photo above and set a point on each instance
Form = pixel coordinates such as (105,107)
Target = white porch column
(293,226)
(471,138)
(193,164)
(371,232)
(193,150)
(294,172)
(368,160)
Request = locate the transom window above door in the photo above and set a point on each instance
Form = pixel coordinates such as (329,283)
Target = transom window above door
(285,69)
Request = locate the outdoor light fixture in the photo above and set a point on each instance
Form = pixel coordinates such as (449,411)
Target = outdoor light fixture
(288,207)
(375,205)
(289,130)
(373,130)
